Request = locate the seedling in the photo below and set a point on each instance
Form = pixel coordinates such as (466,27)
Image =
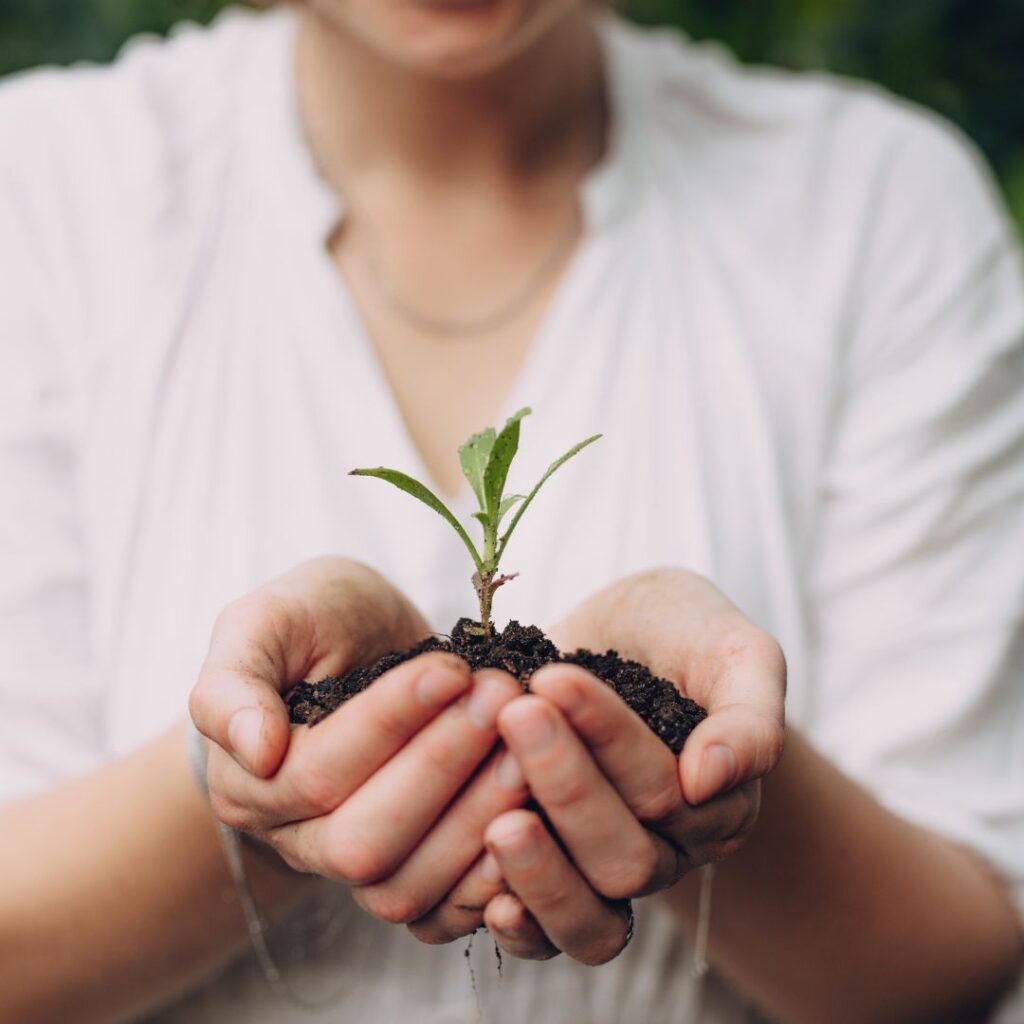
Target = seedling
(485,459)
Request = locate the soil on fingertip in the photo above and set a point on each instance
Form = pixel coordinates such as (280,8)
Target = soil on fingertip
(519,650)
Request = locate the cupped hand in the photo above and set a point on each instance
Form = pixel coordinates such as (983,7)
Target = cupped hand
(630,818)
(375,795)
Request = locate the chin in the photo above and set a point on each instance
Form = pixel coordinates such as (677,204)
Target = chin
(448,39)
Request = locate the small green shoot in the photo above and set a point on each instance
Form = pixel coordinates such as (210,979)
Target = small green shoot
(485,459)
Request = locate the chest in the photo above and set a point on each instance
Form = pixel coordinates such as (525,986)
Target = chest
(217,456)
(453,331)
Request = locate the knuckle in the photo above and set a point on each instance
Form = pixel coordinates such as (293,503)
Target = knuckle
(198,698)
(761,647)
(432,933)
(565,791)
(603,948)
(229,812)
(241,611)
(385,717)
(720,849)
(354,863)
(388,903)
(316,790)
(390,719)
(264,609)
(288,855)
(764,646)
(441,754)
(657,805)
(629,876)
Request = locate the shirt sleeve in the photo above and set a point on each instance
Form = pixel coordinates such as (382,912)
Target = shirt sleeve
(50,698)
(917,585)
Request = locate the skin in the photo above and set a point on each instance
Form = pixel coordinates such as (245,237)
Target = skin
(632,820)
(895,923)
(490,162)
(881,945)
(94,873)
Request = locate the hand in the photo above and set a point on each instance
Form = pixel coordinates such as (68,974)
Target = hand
(629,817)
(375,794)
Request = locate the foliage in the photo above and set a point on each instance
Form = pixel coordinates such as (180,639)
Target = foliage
(486,459)
(961,57)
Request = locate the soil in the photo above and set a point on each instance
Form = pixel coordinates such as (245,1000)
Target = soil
(519,650)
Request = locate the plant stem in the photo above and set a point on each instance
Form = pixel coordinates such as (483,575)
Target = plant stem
(486,595)
(485,584)
(485,589)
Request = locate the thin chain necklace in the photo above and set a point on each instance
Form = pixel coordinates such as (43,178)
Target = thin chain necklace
(446,328)
(461,329)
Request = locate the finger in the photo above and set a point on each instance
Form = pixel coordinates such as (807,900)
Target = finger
(685,629)
(638,764)
(461,912)
(449,849)
(614,852)
(358,614)
(572,916)
(736,743)
(236,701)
(743,686)
(677,623)
(326,764)
(718,828)
(644,771)
(265,642)
(515,930)
(377,827)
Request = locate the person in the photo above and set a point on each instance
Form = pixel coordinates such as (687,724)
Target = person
(346,233)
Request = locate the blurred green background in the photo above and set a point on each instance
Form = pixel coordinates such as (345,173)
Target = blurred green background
(965,58)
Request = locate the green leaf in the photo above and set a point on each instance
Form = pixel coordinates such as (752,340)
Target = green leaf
(509,503)
(427,496)
(506,505)
(574,450)
(504,451)
(474,455)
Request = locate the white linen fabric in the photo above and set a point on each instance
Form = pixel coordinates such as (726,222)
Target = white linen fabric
(797,316)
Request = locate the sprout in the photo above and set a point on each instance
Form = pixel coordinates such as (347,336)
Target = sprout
(485,458)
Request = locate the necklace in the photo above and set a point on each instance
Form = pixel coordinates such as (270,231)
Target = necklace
(452,328)
(448,328)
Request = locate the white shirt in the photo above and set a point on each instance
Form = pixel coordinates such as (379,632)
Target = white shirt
(797,316)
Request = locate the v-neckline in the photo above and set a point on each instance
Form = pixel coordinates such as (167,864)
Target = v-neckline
(314,210)
(526,389)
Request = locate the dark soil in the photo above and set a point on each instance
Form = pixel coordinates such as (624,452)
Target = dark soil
(519,650)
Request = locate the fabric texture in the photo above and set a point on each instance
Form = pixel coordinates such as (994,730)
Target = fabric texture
(797,316)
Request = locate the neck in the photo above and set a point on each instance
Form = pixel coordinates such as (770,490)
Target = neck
(541,108)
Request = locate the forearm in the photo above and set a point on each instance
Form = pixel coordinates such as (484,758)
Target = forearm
(114,895)
(837,910)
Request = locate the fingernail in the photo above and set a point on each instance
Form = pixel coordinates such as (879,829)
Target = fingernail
(437,686)
(518,847)
(489,696)
(508,773)
(717,771)
(245,736)
(534,732)
(490,869)
(570,696)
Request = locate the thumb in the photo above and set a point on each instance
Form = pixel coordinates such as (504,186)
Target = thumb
(236,701)
(734,744)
